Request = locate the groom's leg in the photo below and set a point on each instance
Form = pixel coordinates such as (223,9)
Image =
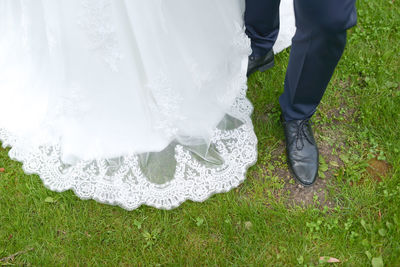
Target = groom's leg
(317,47)
(262,24)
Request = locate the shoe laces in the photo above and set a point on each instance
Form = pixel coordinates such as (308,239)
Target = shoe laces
(301,134)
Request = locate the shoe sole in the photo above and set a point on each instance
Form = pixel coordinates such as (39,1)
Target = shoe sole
(263,68)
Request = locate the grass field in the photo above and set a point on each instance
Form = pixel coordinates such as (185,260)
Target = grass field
(351,214)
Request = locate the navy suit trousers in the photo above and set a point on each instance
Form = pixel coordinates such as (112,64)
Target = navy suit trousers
(316,47)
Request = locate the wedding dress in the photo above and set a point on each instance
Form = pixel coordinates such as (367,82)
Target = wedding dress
(129,102)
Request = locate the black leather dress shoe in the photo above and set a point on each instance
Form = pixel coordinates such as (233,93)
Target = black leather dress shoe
(302,151)
(260,63)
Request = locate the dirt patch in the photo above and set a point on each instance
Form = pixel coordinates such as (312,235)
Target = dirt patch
(329,141)
(317,194)
(306,196)
(330,135)
(286,189)
(378,169)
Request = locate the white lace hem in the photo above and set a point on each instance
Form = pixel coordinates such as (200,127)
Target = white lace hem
(121,181)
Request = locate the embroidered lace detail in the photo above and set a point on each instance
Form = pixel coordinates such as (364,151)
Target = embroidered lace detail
(165,102)
(24,25)
(98,24)
(243,42)
(199,80)
(122,182)
(75,104)
(241,46)
(52,40)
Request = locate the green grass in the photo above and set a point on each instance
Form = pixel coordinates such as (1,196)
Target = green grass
(353,214)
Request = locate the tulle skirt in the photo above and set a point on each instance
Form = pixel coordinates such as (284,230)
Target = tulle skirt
(129,102)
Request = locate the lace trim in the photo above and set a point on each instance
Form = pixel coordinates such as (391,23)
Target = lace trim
(122,182)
